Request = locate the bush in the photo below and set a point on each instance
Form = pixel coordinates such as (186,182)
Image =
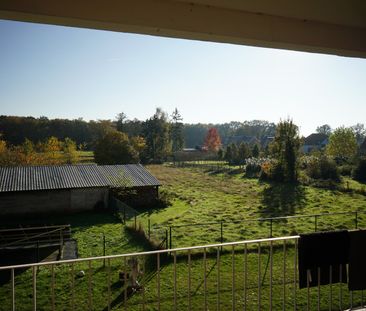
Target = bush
(345,170)
(323,168)
(359,173)
(252,168)
(272,170)
(115,148)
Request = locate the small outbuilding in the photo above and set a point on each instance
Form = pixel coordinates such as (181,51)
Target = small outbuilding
(70,188)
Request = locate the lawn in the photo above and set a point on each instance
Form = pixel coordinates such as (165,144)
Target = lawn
(197,196)
(245,284)
(203,197)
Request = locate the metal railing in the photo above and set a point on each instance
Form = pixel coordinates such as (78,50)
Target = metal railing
(246,275)
(46,237)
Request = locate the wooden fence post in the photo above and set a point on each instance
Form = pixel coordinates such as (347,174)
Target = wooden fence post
(316,223)
(222,232)
(103,249)
(170,237)
(148,225)
(166,238)
(356,220)
(38,251)
(271,228)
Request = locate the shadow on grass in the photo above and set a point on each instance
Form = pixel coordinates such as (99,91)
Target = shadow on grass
(226,171)
(10,257)
(282,199)
(138,238)
(160,204)
(80,220)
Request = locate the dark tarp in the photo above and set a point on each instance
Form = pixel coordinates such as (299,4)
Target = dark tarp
(357,260)
(323,250)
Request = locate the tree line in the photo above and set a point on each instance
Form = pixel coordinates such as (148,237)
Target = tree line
(48,152)
(15,129)
(149,140)
(27,140)
(343,155)
(123,140)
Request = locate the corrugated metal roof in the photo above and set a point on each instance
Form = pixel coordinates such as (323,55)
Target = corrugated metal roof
(28,178)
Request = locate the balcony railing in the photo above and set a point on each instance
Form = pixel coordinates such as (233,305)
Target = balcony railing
(246,275)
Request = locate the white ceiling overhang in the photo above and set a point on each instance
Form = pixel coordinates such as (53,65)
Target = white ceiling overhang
(323,26)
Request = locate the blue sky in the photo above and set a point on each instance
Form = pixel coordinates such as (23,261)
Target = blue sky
(63,72)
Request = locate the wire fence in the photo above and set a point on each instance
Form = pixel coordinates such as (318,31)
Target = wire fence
(132,218)
(228,230)
(259,274)
(232,230)
(217,166)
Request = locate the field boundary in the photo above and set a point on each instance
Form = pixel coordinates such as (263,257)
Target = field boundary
(270,220)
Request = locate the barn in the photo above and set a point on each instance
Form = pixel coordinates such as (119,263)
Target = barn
(70,188)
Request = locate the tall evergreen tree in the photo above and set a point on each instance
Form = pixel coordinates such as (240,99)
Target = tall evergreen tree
(285,149)
(243,152)
(228,154)
(121,118)
(177,131)
(255,151)
(234,154)
(157,136)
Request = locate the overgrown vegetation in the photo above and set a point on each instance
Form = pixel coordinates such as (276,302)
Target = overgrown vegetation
(322,168)
(115,148)
(200,197)
(285,150)
(49,152)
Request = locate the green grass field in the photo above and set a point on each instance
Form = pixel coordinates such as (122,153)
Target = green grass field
(197,197)
(200,197)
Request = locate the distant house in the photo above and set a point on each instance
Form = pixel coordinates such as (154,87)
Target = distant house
(69,188)
(266,140)
(315,141)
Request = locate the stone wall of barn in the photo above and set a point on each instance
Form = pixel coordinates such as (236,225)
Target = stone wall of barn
(53,201)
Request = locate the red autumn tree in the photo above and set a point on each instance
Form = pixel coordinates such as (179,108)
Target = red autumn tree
(212,140)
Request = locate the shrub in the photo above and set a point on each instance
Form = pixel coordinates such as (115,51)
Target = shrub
(115,148)
(266,171)
(305,161)
(272,170)
(359,173)
(323,168)
(345,170)
(312,168)
(252,168)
